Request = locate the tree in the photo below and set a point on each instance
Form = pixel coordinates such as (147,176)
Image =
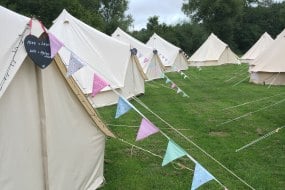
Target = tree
(113,13)
(47,11)
(218,16)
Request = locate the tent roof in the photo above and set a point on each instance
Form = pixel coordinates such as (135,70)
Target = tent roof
(144,52)
(165,49)
(272,60)
(14,25)
(105,55)
(210,50)
(263,42)
(7,65)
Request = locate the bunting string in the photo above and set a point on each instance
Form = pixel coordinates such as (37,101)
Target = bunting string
(153,154)
(173,151)
(13,61)
(193,143)
(175,87)
(139,112)
(136,126)
(260,139)
(250,113)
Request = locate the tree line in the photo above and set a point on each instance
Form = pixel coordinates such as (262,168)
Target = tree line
(238,23)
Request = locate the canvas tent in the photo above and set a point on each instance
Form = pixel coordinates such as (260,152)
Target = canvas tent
(213,52)
(171,56)
(47,138)
(269,67)
(259,47)
(148,58)
(104,55)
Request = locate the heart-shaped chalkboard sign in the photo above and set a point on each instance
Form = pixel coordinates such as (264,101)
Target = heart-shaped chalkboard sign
(38,49)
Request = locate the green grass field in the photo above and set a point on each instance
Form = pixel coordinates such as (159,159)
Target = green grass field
(261,165)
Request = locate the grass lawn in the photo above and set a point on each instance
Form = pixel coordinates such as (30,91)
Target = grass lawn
(261,165)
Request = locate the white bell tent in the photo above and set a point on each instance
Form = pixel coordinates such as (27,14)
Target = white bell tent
(48,140)
(172,57)
(148,58)
(104,55)
(269,67)
(258,48)
(213,52)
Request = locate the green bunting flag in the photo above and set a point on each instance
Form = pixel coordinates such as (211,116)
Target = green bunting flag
(173,152)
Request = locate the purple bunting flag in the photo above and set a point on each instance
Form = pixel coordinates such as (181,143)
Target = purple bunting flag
(146,129)
(55,45)
(74,65)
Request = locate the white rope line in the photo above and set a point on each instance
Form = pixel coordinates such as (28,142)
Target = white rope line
(261,138)
(197,146)
(241,81)
(156,84)
(264,98)
(240,74)
(136,126)
(247,114)
(273,80)
(153,154)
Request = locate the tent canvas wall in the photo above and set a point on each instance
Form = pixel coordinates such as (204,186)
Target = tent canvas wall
(148,58)
(47,138)
(213,52)
(259,47)
(269,67)
(104,55)
(171,56)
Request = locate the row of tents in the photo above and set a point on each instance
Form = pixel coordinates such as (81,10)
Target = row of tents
(48,122)
(50,134)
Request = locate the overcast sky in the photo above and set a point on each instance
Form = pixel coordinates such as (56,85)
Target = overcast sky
(169,11)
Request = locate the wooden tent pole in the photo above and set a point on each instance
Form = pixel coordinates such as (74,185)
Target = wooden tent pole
(81,97)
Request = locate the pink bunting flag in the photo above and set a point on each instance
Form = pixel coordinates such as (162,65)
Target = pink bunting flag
(173,85)
(146,129)
(55,45)
(98,84)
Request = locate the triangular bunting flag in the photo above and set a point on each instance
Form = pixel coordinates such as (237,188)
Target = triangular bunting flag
(181,73)
(167,80)
(201,176)
(173,152)
(162,75)
(74,65)
(123,107)
(98,84)
(185,76)
(146,129)
(179,90)
(173,85)
(55,45)
(185,95)
(145,60)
